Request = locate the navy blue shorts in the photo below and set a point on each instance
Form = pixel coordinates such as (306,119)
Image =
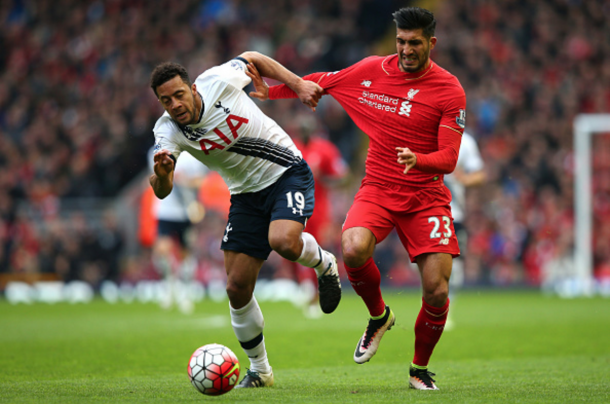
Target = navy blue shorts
(175,230)
(290,198)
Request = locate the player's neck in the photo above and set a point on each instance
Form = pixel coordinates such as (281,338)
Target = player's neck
(198,107)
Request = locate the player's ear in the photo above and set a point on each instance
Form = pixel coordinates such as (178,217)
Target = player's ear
(194,88)
(432,42)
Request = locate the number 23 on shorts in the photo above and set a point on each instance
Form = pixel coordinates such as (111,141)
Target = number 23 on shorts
(437,222)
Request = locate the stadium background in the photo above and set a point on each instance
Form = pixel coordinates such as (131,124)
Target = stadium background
(76,115)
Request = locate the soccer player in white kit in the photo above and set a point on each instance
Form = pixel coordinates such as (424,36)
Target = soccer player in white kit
(469,172)
(174,214)
(271,186)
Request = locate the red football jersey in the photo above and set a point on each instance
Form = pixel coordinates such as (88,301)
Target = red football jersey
(423,111)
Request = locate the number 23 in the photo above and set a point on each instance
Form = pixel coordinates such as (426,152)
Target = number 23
(437,224)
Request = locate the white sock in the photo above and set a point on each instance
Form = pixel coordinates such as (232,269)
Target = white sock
(248,324)
(188,267)
(313,256)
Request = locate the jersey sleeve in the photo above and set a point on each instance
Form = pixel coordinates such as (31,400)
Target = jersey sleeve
(232,72)
(454,113)
(450,129)
(326,80)
(282,91)
(163,132)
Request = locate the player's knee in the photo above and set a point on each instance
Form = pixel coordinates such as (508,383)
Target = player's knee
(163,246)
(436,295)
(239,293)
(287,247)
(354,255)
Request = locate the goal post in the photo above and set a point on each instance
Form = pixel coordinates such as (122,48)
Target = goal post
(585,127)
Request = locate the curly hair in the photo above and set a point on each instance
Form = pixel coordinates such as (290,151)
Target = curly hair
(166,71)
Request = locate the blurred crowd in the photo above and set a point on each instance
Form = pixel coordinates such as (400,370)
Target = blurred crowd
(76,118)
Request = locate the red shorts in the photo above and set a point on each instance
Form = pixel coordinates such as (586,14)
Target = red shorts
(421,216)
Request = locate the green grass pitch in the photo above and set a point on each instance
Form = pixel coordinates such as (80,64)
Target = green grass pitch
(508,347)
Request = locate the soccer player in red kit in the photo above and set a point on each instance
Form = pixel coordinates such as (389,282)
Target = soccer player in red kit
(414,114)
(329,169)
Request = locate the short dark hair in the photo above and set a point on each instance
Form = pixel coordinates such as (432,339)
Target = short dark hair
(165,72)
(415,18)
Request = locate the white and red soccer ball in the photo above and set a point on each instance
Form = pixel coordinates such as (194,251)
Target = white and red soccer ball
(213,369)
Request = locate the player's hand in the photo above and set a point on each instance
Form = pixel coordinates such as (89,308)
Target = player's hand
(406,157)
(164,164)
(309,93)
(262,89)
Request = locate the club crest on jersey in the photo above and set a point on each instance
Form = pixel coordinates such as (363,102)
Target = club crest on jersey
(366,83)
(219,105)
(461,119)
(412,93)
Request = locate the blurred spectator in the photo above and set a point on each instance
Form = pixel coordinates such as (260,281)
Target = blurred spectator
(76,112)
(329,171)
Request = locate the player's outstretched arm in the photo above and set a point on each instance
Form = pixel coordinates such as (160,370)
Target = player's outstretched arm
(162,181)
(263,66)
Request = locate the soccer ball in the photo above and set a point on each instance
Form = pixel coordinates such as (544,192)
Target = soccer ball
(213,369)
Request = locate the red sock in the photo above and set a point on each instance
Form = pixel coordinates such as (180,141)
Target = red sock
(428,329)
(366,281)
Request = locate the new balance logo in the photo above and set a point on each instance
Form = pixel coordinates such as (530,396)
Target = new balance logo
(219,105)
(405,108)
(444,241)
(227,230)
(366,83)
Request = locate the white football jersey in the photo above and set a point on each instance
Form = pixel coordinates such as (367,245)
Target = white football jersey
(174,206)
(233,136)
(469,160)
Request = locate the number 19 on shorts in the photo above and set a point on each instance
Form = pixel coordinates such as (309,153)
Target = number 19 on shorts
(297,203)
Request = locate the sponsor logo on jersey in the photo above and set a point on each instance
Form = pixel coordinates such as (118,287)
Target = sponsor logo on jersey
(461,119)
(219,105)
(366,83)
(157,148)
(193,134)
(379,101)
(412,93)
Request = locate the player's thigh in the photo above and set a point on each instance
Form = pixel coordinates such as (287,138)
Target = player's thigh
(248,226)
(285,238)
(366,224)
(368,215)
(292,196)
(428,231)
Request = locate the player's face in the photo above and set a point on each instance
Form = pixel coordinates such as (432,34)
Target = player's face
(178,100)
(413,49)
